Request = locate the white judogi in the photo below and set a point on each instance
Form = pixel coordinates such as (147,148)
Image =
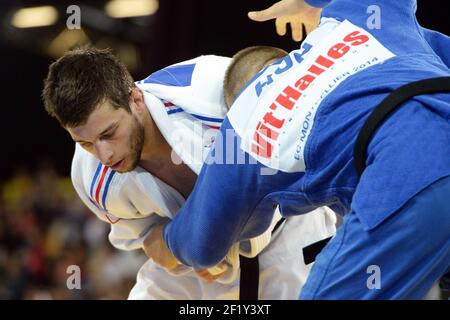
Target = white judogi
(186,102)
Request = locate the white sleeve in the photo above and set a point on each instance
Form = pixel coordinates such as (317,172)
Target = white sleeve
(130,210)
(136,191)
(128,234)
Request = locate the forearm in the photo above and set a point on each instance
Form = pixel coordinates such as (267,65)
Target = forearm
(217,212)
(210,222)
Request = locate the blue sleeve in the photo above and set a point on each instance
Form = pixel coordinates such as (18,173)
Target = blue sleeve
(398,28)
(396,25)
(318,3)
(392,14)
(224,207)
(440,44)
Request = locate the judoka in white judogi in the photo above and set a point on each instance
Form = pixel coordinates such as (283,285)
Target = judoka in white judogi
(186,102)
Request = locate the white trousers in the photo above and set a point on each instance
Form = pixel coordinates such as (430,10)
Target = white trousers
(282,269)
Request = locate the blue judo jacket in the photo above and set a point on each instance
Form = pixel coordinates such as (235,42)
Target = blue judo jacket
(288,139)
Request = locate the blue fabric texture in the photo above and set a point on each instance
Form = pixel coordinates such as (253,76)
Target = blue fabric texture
(408,257)
(407,154)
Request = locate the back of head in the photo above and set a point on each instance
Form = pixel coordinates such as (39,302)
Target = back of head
(82,79)
(245,65)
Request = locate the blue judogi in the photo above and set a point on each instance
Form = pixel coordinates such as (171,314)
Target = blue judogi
(396,216)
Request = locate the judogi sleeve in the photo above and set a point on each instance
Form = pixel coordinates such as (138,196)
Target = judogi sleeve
(393,23)
(392,14)
(130,233)
(131,213)
(227,205)
(318,3)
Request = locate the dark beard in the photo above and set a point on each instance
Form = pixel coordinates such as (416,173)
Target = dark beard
(137,138)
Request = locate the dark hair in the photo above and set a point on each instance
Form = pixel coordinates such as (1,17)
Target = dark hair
(245,65)
(80,80)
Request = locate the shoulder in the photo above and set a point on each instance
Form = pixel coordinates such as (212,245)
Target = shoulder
(180,74)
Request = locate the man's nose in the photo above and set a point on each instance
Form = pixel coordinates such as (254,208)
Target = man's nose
(104,153)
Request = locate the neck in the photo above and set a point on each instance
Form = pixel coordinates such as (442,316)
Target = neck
(156,158)
(156,149)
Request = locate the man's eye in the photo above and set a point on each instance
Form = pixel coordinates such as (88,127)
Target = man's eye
(86,145)
(107,136)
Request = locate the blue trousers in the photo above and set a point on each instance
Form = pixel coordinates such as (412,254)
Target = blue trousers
(399,259)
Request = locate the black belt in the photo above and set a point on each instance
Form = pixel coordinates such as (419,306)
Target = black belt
(249,283)
(375,119)
(310,252)
(392,102)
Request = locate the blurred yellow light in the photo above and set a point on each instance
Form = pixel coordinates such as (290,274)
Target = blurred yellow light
(34,17)
(131,8)
(66,40)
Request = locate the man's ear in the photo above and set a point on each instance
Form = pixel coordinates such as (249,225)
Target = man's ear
(137,100)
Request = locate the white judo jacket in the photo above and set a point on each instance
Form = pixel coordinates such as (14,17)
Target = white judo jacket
(186,102)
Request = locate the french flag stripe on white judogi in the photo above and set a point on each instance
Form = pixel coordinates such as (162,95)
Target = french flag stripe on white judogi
(102,174)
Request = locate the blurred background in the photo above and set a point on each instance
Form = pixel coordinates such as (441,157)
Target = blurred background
(44,228)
